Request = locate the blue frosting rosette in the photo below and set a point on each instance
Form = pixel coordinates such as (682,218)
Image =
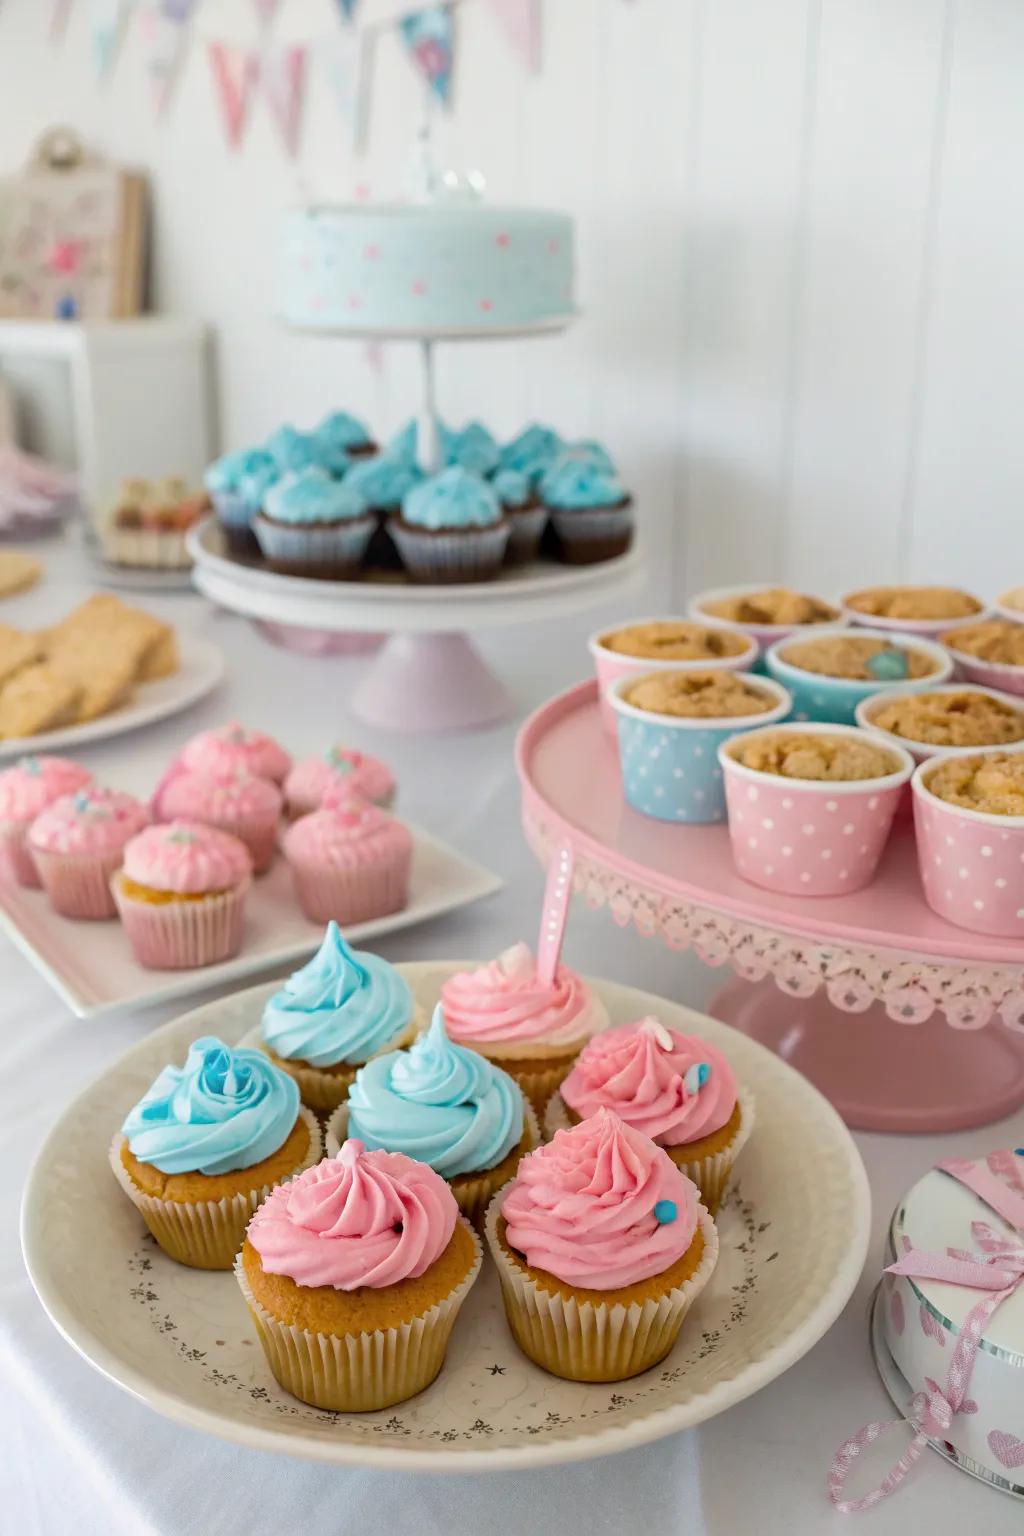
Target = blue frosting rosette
(531,451)
(290,449)
(337,438)
(384,481)
(578,480)
(456,498)
(472,448)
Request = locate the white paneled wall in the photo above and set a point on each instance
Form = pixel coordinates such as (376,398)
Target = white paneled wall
(801,236)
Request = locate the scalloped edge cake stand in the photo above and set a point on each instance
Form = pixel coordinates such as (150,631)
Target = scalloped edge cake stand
(863,1021)
(427,675)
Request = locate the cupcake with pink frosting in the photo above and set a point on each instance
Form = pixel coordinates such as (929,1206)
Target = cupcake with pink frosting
(350,863)
(675,1088)
(78,843)
(247,807)
(601,1246)
(26,789)
(233,749)
(532,1029)
(181,895)
(338,773)
(354,1273)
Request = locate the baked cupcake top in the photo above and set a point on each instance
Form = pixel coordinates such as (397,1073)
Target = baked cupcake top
(512,488)
(382,482)
(914,602)
(91,821)
(311,496)
(472,448)
(226,473)
(342,1006)
(775,605)
(186,858)
(361,1218)
(225,797)
(291,450)
(339,767)
(438,1102)
(673,1087)
(572,483)
(531,451)
(454,499)
(859,658)
(993,783)
(674,640)
(34,782)
(223,1110)
(232,749)
(505,1009)
(350,833)
(809,755)
(997,640)
(600,1206)
(699,695)
(958,719)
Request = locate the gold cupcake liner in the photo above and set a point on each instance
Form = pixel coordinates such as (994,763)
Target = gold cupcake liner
(473,1195)
(711,1174)
(324,1091)
(537,1085)
(359,1372)
(205,1234)
(588,1341)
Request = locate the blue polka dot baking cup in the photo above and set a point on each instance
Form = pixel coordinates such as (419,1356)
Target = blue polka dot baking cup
(834,700)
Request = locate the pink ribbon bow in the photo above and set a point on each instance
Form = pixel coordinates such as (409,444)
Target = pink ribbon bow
(997,1270)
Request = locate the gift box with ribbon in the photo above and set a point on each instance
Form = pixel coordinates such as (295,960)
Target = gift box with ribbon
(950,1314)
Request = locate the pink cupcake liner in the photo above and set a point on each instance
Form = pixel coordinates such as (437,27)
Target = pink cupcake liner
(18,855)
(78,885)
(183,935)
(258,833)
(970,861)
(353,895)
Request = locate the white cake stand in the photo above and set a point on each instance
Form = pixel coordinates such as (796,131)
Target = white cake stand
(428,675)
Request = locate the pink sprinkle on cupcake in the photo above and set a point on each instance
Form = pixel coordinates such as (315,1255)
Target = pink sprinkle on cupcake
(340,771)
(232,749)
(181,895)
(247,807)
(26,789)
(350,863)
(77,843)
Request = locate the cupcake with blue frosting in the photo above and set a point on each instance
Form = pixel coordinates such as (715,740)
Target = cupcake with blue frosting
(340,438)
(451,529)
(591,510)
(527,518)
(445,1106)
(531,452)
(383,483)
(332,1016)
(291,450)
(237,483)
(314,525)
(471,447)
(206,1143)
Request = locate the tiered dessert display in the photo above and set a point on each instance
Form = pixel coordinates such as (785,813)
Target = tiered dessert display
(447,267)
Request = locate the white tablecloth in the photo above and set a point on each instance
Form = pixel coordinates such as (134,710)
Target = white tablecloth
(79,1454)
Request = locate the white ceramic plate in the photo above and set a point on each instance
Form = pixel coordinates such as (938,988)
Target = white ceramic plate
(92,967)
(794,1236)
(201,667)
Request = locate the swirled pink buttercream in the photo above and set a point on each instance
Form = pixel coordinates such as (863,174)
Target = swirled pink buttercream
(640,1071)
(35,782)
(227,798)
(187,858)
(315,781)
(349,836)
(91,821)
(361,1218)
(233,749)
(583,1206)
(504,1007)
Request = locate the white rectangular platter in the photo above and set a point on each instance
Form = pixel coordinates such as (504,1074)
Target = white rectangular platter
(91,966)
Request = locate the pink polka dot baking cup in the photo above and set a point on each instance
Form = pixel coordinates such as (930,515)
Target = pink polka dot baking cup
(610,665)
(971,862)
(183,934)
(809,837)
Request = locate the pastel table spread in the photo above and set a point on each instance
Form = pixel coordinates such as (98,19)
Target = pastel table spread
(74,1442)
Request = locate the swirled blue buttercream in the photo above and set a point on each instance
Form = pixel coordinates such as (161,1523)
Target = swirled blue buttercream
(226,473)
(257,480)
(440,1103)
(592,451)
(572,482)
(336,437)
(471,448)
(223,1110)
(382,482)
(453,499)
(531,451)
(343,1006)
(311,496)
(291,450)
(512,488)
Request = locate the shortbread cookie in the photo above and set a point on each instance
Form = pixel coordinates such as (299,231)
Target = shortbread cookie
(36,699)
(17,650)
(18,572)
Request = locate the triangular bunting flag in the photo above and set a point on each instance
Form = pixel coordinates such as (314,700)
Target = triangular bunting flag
(266,10)
(164,38)
(341,56)
(60,10)
(284,81)
(177,10)
(235,73)
(521,22)
(108,20)
(430,38)
(347,8)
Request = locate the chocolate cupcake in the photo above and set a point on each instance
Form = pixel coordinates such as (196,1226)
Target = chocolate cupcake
(451,529)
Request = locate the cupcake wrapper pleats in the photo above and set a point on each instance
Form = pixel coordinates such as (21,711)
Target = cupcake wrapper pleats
(181,935)
(324,1091)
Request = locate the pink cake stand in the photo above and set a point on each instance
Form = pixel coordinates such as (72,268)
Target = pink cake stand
(905,1022)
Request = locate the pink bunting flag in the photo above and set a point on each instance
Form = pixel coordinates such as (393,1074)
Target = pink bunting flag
(341,57)
(520,20)
(284,81)
(235,73)
(60,10)
(163,33)
(266,10)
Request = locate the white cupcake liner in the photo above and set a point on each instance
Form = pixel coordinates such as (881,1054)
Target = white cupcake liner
(471,554)
(526,527)
(183,935)
(14,843)
(354,895)
(594,1341)
(235,512)
(711,1174)
(474,1195)
(78,885)
(584,523)
(327,546)
(324,1091)
(359,1372)
(150,548)
(205,1234)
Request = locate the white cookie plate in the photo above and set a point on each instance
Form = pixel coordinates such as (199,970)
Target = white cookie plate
(794,1234)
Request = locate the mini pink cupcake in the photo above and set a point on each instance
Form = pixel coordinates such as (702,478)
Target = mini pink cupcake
(78,842)
(25,790)
(340,772)
(233,749)
(247,807)
(350,863)
(181,895)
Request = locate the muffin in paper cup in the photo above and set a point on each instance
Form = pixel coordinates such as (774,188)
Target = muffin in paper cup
(358,1323)
(183,934)
(591,510)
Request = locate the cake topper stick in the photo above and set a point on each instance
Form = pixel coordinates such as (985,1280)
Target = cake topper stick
(554,912)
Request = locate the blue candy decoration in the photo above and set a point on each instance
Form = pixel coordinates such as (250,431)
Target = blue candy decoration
(665,1211)
(889,666)
(696,1076)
